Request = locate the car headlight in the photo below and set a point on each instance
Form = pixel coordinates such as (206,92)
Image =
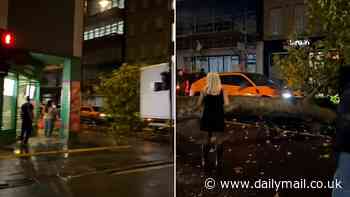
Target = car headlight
(286,95)
(103,115)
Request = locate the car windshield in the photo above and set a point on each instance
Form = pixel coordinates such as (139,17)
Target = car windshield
(260,80)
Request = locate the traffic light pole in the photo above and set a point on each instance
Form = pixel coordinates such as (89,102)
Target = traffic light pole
(6,43)
(3,72)
(2,77)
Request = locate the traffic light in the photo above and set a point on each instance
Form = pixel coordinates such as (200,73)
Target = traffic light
(7,42)
(7,39)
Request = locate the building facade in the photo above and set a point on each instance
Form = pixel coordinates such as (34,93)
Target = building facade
(47,41)
(219,36)
(283,21)
(149,31)
(103,47)
(124,31)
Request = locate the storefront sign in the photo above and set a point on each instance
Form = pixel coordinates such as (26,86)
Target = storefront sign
(298,43)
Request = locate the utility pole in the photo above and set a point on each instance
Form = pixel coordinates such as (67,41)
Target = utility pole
(3,73)
(6,44)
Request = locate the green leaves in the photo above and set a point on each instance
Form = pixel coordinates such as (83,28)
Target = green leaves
(121,98)
(315,67)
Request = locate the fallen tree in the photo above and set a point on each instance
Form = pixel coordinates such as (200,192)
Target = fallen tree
(265,108)
(260,106)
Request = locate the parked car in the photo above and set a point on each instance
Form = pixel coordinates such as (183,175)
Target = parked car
(92,113)
(246,84)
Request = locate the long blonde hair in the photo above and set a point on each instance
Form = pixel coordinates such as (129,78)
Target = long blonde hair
(213,86)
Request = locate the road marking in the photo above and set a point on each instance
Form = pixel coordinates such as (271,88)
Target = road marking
(145,169)
(153,165)
(55,152)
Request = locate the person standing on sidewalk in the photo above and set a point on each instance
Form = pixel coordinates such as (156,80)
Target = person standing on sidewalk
(212,121)
(27,116)
(342,143)
(49,118)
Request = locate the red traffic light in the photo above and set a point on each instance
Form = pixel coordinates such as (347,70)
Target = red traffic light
(7,39)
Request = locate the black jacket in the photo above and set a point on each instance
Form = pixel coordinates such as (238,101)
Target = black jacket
(27,112)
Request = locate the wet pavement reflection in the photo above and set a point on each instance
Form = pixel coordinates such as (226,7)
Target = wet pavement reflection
(88,173)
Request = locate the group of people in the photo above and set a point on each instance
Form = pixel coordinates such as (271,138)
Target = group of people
(48,113)
(213,99)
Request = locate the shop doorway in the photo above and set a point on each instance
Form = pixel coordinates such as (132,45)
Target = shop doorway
(25,78)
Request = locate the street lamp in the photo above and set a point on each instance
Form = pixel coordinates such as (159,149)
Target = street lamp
(104,3)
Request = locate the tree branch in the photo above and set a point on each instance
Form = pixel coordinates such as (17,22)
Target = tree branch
(327,81)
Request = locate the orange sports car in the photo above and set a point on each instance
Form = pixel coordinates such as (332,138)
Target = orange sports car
(245,84)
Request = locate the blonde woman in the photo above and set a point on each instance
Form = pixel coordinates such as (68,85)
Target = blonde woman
(213,99)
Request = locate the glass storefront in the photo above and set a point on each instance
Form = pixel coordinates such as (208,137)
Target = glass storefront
(224,63)
(9,103)
(251,63)
(26,87)
(16,89)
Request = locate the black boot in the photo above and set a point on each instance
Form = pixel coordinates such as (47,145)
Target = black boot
(219,156)
(205,155)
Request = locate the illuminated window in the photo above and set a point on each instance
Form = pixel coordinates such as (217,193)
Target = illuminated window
(9,85)
(102,31)
(9,101)
(106,30)
(118,4)
(30,90)
(114,28)
(120,27)
(224,63)
(91,35)
(97,32)
(121,4)
(86,35)
(251,63)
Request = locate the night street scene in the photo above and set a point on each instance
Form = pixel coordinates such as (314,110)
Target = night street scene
(262,98)
(86,108)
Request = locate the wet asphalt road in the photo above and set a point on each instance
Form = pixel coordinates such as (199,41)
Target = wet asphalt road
(256,153)
(145,169)
(151,182)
